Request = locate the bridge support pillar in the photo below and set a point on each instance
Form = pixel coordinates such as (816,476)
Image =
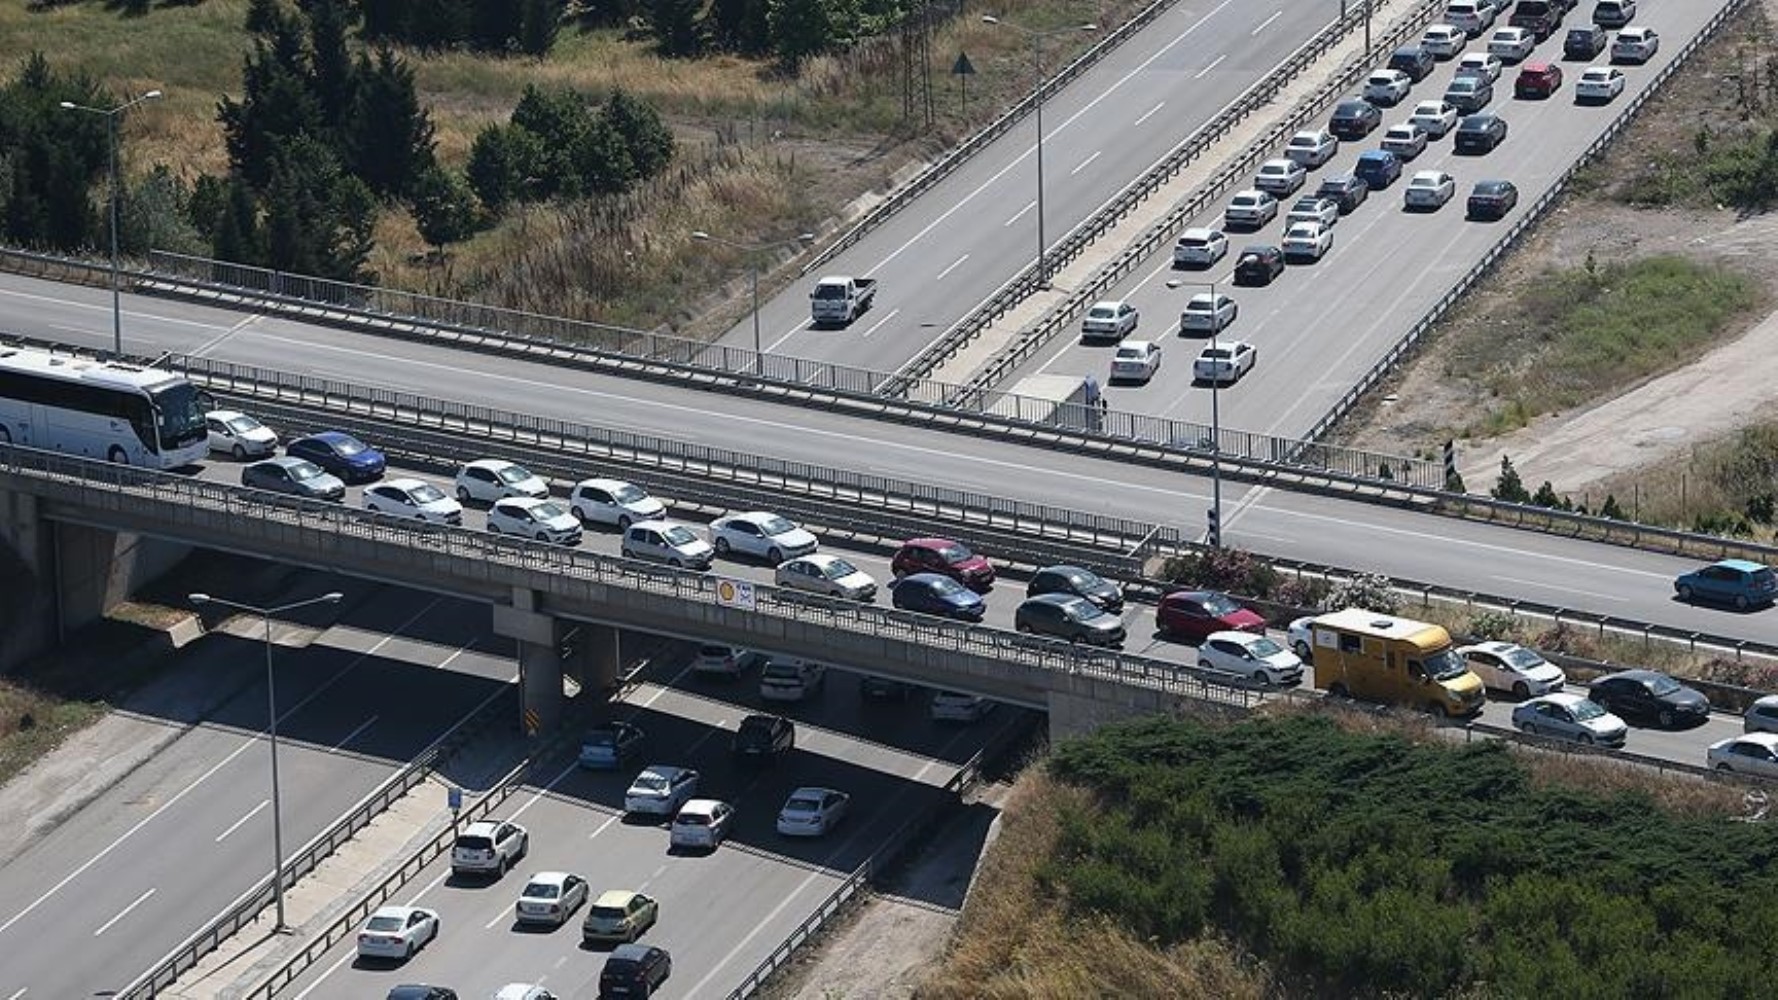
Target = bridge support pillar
(595,653)
(540,637)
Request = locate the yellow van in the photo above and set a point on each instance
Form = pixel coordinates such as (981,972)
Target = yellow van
(1396,661)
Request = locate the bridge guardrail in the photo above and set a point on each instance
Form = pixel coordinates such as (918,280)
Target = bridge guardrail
(1511,238)
(1060,317)
(250,904)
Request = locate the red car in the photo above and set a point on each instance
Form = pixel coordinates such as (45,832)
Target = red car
(946,557)
(1538,80)
(1194,614)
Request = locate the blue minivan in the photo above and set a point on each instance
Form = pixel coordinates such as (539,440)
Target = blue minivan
(1739,582)
(1378,168)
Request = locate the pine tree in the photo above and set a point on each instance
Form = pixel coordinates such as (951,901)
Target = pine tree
(1547,497)
(539,21)
(647,139)
(444,208)
(1509,487)
(276,105)
(238,237)
(388,134)
(153,215)
(740,25)
(1611,509)
(799,29)
(677,27)
(601,160)
(332,76)
(318,218)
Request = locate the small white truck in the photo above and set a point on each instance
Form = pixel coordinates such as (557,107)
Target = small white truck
(837,300)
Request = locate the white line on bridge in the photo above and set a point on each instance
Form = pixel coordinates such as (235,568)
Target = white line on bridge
(1565,588)
(236,825)
(953,267)
(1021,213)
(1086,162)
(23,991)
(878,325)
(354,733)
(1213,64)
(123,913)
(1146,115)
(1266,23)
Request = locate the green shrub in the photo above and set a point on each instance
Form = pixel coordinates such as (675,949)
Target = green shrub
(1371,591)
(1493,625)
(1233,570)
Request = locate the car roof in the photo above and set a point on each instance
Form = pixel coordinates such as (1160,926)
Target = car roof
(1199,233)
(1562,698)
(332,437)
(757,718)
(395,911)
(812,791)
(929,543)
(550,877)
(701,805)
(1063,600)
(1767,740)
(522,503)
(1639,675)
(284,460)
(405,483)
(489,463)
(616,897)
(1376,154)
(1537,66)
(1743,565)
(604,483)
(1429,175)
(663,770)
(632,952)
(1492,186)
(1142,346)
(482,826)
(1108,303)
(657,524)
(1230,635)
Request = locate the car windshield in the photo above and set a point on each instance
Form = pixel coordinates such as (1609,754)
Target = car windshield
(549,511)
(179,412)
(347,446)
(832,290)
(775,525)
(954,553)
(838,569)
(1263,647)
(242,424)
(384,924)
(1220,604)
(602,738)
(1520,658)
(426,493)
(1445,665)
(542,890)
(300,471)
(475,842)
(1587,709)
(513,473)
(628,493)
(781,671)
(679,534)
(944,586)
(1662,685)
(1216,354)
(691,819)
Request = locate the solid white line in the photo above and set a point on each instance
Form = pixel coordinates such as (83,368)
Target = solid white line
(1213,64)
(953,267)
(1564,588)
(354,733)
(20,993)
(106,308)
(1146,115)
(1266,23)
(878,325)
(123,913)
(236,825)
(1086,162)
(603,826)
(1020,214)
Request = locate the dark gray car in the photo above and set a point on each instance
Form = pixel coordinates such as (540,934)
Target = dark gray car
(1065,616)
(1079,582)
(296,476)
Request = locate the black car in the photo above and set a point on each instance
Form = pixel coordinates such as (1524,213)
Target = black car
(415,991)
(932,594)
(1079,582)
(1413,60)
(295,476)
(765,736)
(1584,43)
(1065,616)
(1492,199)
(885,689)
(634,970)
(1642,697)
(1479,133)
(1354,119)
(1349,190)
(1258,265)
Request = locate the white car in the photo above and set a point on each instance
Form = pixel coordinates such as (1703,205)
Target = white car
(1406,140)
(762,535)
(660,790)
(1444,41)
(1753,753)
(1473,16)
(1111,318)
(1280,177)
(956,706)
(812,812)
(1387,87)
(1207,312)
(613,501)
(724,661)
(1200,247)
(1511,45)
(1307,241)
(550,898)
(240,435)
(1762,715)
(412,498)
(1482,64)
(523,991)
(1256,658)
(668,542)
(486,480)
(790,679)
(821,573)
(1135,361)
(397,932)
(1506,666)
(1300,637)
(1635,44)
(489,847)
(1312,208)
(1435,118)
(1251,209)
(1225,362)
(1570,717)
(1600,84)
(1429,190)
(1312,149)
(701,823)
(530,517)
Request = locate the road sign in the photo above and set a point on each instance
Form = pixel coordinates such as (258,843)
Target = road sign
(454,799)
(735,593)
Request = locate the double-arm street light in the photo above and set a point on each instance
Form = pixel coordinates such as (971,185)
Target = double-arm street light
(753,250)
(111,117)
(1037,37)
(271,697)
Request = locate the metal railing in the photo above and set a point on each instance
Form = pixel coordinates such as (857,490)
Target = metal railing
(1061,317)
(248,906)
(1526,221)
(947,164)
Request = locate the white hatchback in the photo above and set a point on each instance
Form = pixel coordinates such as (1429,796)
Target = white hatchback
(1484,64)
(701,823)
(535,518)
(790,680)
(1506,666)
(1312,149)
(412,498)
(1444,41)
(486,480)
(1256,658)
(1387,87)
(761,535)
(239,435)
(668,542)
(660,790)
(1200,247)
(613,501)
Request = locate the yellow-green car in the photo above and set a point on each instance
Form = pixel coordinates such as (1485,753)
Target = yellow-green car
(619,915)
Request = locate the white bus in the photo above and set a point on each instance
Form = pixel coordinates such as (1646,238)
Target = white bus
(109,410)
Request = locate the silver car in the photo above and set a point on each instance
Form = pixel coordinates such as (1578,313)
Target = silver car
(1570,717)
(821,573)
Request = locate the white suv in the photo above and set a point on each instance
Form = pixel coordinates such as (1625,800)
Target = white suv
(489,847)
(790,680)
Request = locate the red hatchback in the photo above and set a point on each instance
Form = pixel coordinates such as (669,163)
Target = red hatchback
(1538,80)
(945,557)
(1194,614)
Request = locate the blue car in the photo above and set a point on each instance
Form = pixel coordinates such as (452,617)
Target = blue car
(1732,581)
(341,454)
(1378,168)
(609,747)
(934,594)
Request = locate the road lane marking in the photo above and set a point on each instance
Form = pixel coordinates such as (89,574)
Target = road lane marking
(1545,584)
(224,335)
(602,827)
(236,825)
(1086,162)
(20,993)
(1213,64)
(878,325)
(106,308)
(123,913)
(354,733)
(1263,25)
(1150,113)
(1020,214)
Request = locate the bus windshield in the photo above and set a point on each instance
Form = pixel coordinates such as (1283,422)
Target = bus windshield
(179,414)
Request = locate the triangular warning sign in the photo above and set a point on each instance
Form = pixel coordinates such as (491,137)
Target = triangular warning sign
(962,67)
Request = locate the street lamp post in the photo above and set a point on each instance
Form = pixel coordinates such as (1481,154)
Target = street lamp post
(111,117)
(1214,535)
(753,250)
(1037,37)
(271,697)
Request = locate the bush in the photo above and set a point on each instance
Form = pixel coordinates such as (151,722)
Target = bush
(1493,625)
(1233,570)
(1371,591)
(1303,592)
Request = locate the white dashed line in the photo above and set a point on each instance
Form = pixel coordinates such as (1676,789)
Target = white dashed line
(1086,162)
(123,913)
(1213,64)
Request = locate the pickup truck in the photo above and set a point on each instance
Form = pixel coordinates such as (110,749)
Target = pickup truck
(840,299)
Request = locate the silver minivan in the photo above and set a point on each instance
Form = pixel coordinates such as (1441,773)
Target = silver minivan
(669,542)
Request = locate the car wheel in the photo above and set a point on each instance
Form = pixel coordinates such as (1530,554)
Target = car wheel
(462,494)
(1665,718)
(1726,769)
(1685,592)
(774,555)
(675,563)
(239,452)
(1024,628)
(1438,710)
(493,529)
(116,456)
(1520,691)
(408,952)
(5,436)
(1586,739)
(1740,602)
(721,546)
(1301,649)
(623,522)
(1337,690)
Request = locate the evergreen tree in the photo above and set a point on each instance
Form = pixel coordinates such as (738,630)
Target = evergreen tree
(677,27)
(539,21)
(263,16)
(495,25)
(153,215)
(388,134)
(561,122)
(740,25)
(55,160)
(1611,509)
(203,210)
(647,139)
(318,218)
(276,105)
(494,171)
(799,29)
(332,76)
(238,236)
(1509,487)
(444,207)
(601,160)
(1548,497)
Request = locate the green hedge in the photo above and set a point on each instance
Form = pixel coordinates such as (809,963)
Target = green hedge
(1362,865)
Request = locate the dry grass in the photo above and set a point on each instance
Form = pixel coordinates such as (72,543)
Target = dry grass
(34,721)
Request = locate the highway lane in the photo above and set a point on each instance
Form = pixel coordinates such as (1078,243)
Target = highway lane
(1320,326)
(938,258)
(721,912)
(127,878)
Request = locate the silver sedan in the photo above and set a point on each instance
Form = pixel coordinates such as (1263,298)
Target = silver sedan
(820,573)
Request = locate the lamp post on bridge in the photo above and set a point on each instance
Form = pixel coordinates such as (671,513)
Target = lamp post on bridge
(111,117)
(753,250)
(1214,514)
